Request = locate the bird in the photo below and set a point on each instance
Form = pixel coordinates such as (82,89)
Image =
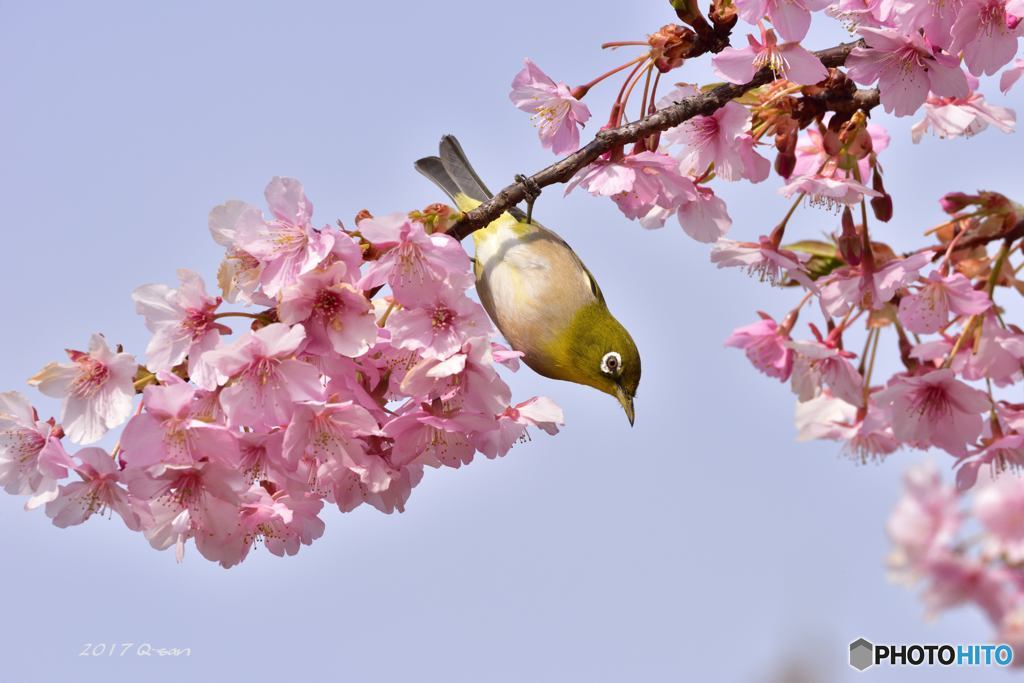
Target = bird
(537,291)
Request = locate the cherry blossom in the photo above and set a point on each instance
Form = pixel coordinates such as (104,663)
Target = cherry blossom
(637,183)
(97,389)
(953,117)
(816,365)
(183,323)
(32,459)
(928,309)
(334,313)
(168,433)
(99,490)
(286,246)
(791,18)
(416,265)
(1011,75)
(705,218)
(846,289)
(983,32)
(767,347)
(539,412)
(906,68)
(789,60)
(720,139)
(265,378)
(555,111)
(934,409)
(766,262)
(924,523)
(440,329)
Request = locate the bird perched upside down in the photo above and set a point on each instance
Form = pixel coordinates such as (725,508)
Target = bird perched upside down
(538,292)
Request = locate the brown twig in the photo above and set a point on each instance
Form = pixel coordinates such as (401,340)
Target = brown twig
(561,171)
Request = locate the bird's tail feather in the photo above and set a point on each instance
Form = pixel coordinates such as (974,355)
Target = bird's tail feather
(452,172)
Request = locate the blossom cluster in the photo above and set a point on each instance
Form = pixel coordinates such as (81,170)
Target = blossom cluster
(937,308)
(334,394)
(962,549)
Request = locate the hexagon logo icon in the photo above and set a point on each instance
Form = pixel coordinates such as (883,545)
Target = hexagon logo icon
(862,654)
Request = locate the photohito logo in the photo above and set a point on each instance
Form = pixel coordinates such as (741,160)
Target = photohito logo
(864,654)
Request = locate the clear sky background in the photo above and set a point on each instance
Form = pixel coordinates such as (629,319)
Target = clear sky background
(703,544)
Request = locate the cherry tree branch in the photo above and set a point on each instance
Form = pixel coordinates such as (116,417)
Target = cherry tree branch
(699,105)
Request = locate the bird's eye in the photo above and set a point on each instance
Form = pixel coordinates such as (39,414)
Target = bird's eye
(611,363)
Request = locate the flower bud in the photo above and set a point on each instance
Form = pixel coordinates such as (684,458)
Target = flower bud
(882,207)
(831,143)
(849,241)
(954,202)
(785,163)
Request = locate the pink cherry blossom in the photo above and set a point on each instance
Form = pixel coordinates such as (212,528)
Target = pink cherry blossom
(767,347)
(705,217)
(240,272)
(334,313)
(555,111)
(637,183)
(927,310)
(791,18)
(183,324)
(906,68)
(934,17)
(866,431)
(999,506)
(871,437)
(997,355)
(934,409)
(1009,77)
(32,459)
(828,191)
(813,159)
(923,525)
(97,388)
(816,365)
(984,35)
(955,579)
(540,412)
(266,380)
(764,261)
(416,265)
(200,501)
(721,139)
(168,433)
(952,117)
(426,437)
(465,380)
(858,286)
(440,329)
(323,432)
(286,246)
(99,490)
(1002,453)
(283,522)
(789,60)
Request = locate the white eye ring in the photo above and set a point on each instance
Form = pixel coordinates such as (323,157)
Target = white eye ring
(611,363)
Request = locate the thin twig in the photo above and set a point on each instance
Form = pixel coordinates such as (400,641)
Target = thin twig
(561,171)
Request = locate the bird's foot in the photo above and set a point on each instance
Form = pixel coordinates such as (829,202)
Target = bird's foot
(532,190)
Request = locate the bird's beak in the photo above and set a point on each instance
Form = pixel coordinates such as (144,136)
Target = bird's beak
(626,401)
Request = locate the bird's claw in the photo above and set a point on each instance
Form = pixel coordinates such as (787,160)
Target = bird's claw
(532,190)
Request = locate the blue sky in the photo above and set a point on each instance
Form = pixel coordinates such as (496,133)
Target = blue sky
(704,543)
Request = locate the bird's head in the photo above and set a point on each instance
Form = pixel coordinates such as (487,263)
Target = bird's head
(599,352)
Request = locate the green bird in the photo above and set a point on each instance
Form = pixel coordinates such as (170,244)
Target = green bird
(538,292)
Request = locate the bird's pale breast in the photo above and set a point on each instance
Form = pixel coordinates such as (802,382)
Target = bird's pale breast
(531,283)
